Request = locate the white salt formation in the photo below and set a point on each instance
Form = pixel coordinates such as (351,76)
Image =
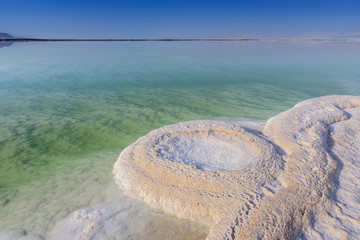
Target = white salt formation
(298,179)
(122,218)
(151,170)
(341,220)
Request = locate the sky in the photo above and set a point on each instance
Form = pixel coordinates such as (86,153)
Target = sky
(180,19)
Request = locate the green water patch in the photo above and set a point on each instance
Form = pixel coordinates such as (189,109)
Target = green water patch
(42,130)
(63,102)
(39,204)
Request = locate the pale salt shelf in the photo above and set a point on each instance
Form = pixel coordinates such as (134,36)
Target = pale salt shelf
(297,178)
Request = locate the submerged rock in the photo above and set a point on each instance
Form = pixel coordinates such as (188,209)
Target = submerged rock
(296,179)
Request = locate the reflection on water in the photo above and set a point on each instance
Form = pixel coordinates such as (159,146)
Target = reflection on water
(5,44)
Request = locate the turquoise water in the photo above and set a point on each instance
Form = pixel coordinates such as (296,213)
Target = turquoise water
(68,109)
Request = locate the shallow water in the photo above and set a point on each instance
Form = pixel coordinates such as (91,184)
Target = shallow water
(68,109)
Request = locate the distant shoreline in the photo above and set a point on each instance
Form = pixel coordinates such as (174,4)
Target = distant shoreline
(185,40)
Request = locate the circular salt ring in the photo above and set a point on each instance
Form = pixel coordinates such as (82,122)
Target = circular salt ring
(197,169)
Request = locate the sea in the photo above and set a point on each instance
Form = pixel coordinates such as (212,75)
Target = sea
(67,110)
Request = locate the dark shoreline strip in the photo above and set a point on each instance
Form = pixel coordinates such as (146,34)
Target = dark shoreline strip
(186,40)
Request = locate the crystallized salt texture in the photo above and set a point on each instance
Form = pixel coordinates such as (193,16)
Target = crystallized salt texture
(212,172)
(296,179)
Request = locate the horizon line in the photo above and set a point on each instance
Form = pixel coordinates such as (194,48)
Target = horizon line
(177,39)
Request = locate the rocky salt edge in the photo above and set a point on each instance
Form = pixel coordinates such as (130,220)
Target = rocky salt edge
(297,178)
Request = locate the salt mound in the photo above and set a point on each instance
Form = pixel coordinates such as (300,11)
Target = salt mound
(279,184)
(158,170)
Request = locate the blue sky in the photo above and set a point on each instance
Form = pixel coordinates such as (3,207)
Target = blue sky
(151,19)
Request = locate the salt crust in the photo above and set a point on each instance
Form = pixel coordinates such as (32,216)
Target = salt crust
(299,178)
